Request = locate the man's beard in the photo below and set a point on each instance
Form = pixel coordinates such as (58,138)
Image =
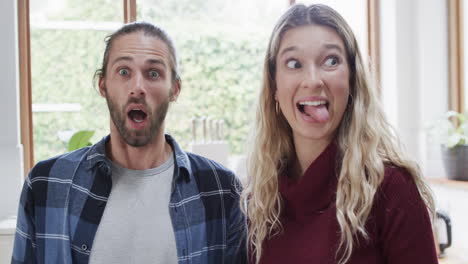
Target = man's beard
(138,138)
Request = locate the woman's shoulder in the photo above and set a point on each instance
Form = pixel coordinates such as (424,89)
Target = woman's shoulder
(401,220)
(398,189)
(396,178)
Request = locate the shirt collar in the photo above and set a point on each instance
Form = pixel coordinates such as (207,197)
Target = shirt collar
(97,157)
(183,170)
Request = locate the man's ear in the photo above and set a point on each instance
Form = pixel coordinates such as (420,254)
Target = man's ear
(176,87)
(102,86)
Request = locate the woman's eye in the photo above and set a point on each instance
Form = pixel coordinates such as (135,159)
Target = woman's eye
(123,72)
(332,61)
(293,64)
(153,74)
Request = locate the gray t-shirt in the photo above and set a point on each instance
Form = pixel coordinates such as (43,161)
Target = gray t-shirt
(136,226)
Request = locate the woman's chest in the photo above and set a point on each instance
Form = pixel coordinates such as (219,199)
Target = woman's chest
(314,238)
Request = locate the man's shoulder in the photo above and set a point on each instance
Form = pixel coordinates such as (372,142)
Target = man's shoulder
(205,169)
(202,163)
(66,161)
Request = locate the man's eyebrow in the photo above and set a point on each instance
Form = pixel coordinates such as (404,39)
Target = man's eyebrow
(148,61)
(156,61)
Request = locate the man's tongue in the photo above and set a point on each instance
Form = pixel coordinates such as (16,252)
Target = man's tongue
(319,113)
(137,116)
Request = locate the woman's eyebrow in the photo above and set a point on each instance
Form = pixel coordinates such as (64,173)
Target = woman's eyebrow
(334,46)
(291,48)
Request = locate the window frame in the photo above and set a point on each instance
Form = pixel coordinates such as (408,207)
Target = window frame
(130,15)
(24,49)
(456,55)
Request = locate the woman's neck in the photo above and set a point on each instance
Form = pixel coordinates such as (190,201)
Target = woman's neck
(307,152)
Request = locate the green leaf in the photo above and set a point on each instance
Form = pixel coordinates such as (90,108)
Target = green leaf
(80,139)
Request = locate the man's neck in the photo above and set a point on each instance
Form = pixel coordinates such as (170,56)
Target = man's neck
(146,157)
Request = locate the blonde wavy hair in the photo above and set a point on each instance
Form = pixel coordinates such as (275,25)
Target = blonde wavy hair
(366,143)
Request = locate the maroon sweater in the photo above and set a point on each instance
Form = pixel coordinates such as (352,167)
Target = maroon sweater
(399,226)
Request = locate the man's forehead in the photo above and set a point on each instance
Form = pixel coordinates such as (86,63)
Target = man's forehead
(138,44)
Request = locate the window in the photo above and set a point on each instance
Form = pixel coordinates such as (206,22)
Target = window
(220,45)
(66,47)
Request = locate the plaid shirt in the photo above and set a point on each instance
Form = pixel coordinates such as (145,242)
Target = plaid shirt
(63,200)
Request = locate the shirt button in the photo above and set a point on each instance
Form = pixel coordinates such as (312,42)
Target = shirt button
(84,247)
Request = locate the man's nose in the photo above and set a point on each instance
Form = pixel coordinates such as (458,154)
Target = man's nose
(137,86)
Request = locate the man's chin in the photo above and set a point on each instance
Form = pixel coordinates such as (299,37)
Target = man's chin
(137,141)
(137,138)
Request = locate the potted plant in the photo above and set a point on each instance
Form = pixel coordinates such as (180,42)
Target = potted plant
(80,139)
(452,132)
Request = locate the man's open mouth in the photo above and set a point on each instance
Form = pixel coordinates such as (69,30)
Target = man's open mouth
(137,115)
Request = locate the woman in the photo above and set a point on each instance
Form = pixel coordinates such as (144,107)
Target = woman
(329,182)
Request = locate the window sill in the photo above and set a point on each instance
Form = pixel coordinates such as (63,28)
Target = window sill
(462,185)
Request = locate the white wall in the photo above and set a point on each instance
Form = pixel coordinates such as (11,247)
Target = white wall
(10,147)
(414,73)
(433,77)
(11,173)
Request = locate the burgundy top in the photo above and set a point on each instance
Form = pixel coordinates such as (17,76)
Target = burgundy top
(399,226)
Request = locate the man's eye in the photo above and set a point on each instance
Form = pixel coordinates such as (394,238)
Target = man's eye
(293,64)
(153,74)
(123,72)
(332,61)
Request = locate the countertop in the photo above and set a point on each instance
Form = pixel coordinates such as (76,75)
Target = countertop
(454,256)
(452,197)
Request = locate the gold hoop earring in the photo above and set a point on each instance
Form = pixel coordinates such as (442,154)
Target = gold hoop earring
(277,107)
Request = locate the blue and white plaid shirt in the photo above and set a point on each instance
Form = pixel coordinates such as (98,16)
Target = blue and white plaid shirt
(63,200)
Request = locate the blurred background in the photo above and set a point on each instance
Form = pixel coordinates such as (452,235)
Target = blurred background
(51,49)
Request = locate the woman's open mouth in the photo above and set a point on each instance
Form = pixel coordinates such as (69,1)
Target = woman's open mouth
(316,110)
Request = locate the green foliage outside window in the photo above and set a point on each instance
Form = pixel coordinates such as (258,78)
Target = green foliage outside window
(221,74)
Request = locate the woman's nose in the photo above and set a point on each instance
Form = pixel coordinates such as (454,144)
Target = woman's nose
(312,78)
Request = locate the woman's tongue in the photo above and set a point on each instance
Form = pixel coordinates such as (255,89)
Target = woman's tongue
(319,113)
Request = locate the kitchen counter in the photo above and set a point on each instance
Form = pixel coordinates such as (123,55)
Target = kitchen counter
(451,197)
(454,256)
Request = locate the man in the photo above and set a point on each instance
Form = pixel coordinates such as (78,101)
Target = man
(135,196)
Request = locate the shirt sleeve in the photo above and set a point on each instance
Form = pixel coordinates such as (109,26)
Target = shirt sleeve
(405,228)
(236,229)
(24,249)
